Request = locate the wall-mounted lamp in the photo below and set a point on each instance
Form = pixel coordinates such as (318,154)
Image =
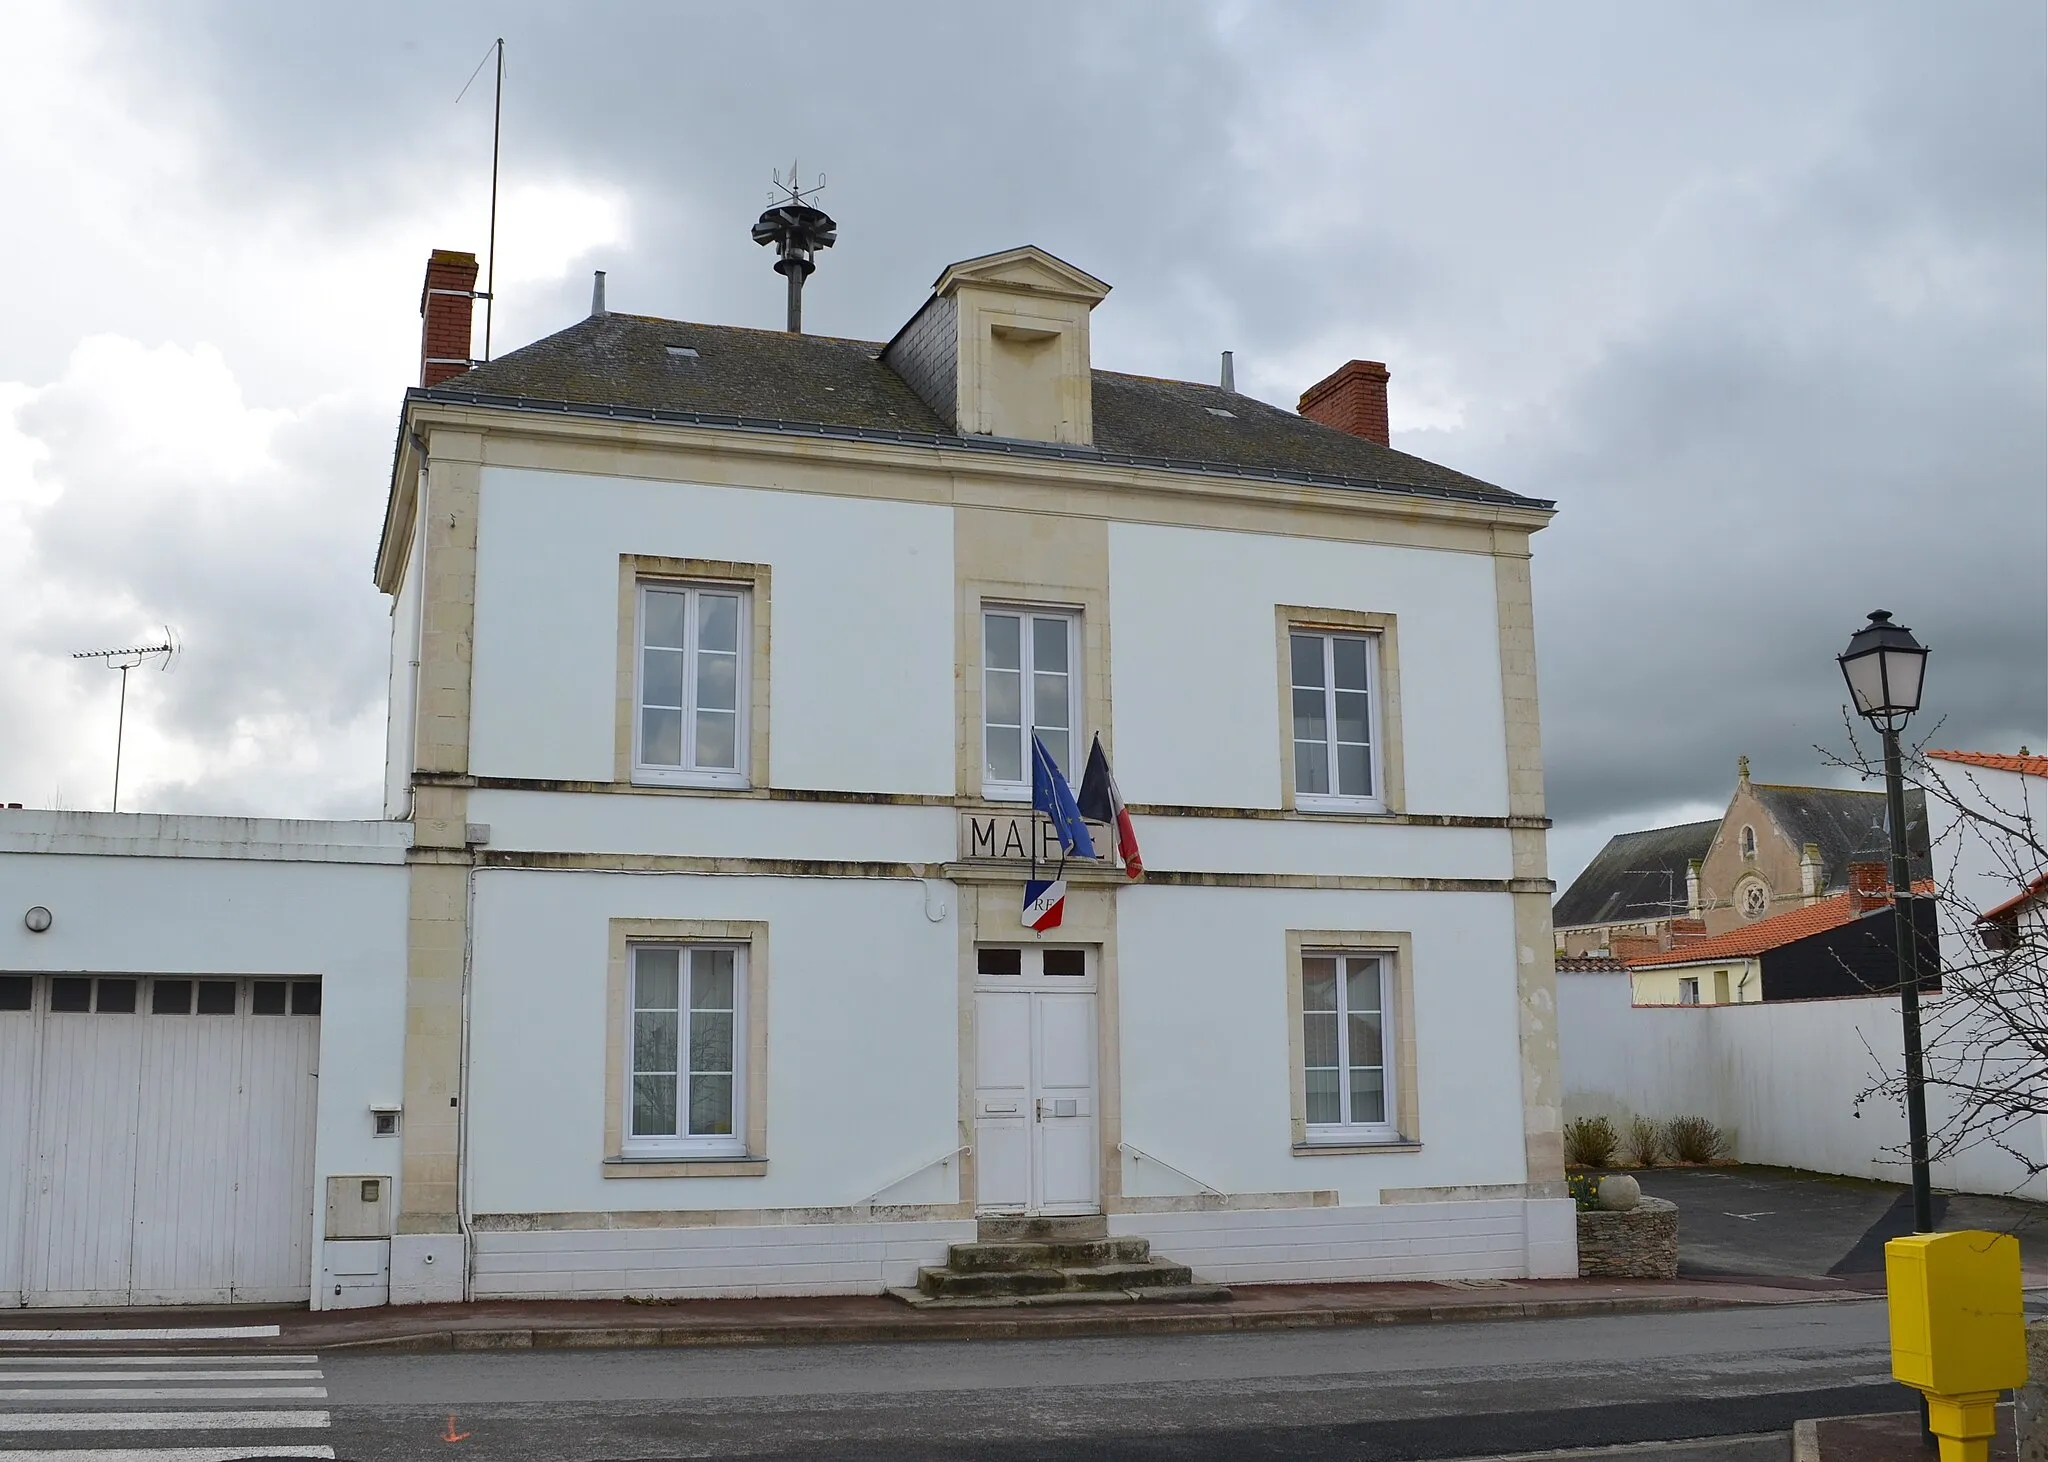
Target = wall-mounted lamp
(37,920)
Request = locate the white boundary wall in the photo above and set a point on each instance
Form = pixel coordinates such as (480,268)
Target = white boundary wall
(1780,1080)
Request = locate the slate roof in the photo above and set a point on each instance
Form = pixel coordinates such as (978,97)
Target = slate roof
(2026,766)
(769,379)
(1848,825)
(1636,876)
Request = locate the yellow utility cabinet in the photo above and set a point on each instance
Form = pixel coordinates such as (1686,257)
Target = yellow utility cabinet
(1959,1332)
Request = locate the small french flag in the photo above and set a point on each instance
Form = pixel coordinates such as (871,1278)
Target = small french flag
(1100,801)
(1045,903)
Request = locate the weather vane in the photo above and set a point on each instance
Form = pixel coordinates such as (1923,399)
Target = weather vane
(791,192)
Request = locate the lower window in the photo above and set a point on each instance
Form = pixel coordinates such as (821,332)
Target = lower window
(1347,1021)
(688,1043)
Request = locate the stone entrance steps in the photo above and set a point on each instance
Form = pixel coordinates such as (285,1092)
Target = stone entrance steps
(1052,1261)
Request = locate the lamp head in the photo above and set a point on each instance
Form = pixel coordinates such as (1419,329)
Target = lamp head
(1884,666)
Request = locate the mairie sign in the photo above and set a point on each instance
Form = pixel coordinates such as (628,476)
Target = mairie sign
(1006,837)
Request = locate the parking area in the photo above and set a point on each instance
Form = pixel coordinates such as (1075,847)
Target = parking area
(1811,1226)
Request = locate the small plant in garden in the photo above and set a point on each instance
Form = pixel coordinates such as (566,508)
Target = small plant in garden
(1694,1139)
(1584,1188)
(1644,1142)
(1589,1142)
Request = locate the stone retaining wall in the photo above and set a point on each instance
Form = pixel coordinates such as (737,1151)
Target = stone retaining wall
(1640,1243)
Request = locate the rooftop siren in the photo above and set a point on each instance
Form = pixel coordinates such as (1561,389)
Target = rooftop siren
(798,231)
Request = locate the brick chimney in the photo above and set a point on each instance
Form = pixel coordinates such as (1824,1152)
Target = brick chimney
(446,300)
(1870,887)
(1352,398)
(1628,948)
(1687,931)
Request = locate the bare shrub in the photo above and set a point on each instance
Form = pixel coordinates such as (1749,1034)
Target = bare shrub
(1694,1139)
(1644,1144)
(1590,1142)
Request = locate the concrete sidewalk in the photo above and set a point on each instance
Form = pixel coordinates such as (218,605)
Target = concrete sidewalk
(612,1324)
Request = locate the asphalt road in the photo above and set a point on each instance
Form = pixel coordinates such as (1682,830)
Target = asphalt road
(1410,1392)
(1753,1220)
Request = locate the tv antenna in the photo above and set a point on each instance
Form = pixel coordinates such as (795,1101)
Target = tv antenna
(798,230)
(125,661)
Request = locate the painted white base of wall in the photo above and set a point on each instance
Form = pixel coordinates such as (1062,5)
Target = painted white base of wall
(714,1262)
(426,1269)
(1487,1239)
(1491,1239)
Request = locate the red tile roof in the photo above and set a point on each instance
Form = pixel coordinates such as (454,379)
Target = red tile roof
(1765,934)
(2026,766)
(1589,964)
(2032,891)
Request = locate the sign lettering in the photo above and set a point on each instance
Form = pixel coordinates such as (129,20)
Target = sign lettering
(1006,837)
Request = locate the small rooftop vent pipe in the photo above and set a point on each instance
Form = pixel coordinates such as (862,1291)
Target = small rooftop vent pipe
(1229,372)
(798,231)
(597,292)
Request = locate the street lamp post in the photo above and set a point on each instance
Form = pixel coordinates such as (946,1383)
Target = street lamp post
(1884,665)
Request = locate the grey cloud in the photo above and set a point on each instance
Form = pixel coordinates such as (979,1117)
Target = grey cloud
(1754,292)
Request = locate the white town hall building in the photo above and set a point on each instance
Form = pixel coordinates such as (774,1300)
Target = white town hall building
(688,959)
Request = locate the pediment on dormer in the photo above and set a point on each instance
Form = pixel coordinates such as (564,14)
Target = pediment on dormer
(1028,270)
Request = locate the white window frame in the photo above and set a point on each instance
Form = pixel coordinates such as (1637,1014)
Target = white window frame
(681,1143)
(1345,1131)
(1688,989)
(1305,801)
(1020,791)
(688,774)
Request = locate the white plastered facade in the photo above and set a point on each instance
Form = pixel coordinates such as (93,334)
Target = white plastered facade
(869,1169)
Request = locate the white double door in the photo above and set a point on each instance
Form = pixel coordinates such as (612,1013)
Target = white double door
(154,1151)
(1036,1130)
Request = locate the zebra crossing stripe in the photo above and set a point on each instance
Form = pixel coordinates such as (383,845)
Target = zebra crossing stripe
(160,1360)
(162,1421)
(40,1377)
(9,1335)
(166,1454)
(163,1393)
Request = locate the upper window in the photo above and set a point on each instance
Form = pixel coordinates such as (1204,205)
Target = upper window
(692,694)
(688,1049)
(1335,700)
(1346,1031)
(1748,842)
(1030,686)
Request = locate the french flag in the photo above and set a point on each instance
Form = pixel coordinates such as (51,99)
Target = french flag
(1100,801)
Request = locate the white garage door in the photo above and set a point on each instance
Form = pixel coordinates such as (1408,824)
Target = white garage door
(156,1139)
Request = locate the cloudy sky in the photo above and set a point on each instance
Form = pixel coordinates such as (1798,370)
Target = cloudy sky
(1754,291)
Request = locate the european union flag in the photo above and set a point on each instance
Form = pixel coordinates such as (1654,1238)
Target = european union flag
(1051,795)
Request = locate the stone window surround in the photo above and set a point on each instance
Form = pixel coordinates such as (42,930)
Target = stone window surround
(1399,950)
(625,933)
(1386,715)
(637,569)
(1090,608)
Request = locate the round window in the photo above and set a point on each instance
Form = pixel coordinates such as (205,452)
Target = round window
(1755,900)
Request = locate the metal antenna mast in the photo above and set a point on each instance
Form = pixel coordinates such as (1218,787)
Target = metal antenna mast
(798,231)
(490,289)
(125,661)
(491,252)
